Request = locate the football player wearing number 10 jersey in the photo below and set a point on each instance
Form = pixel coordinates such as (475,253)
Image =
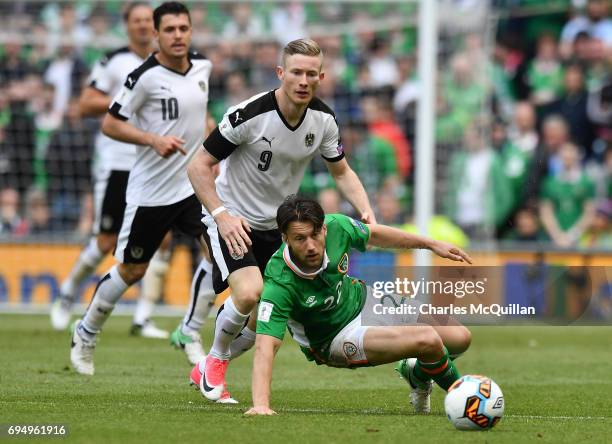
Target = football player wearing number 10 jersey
(264,145)
(165,101)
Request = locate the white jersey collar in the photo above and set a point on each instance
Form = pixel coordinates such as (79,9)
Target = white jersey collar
(297,270)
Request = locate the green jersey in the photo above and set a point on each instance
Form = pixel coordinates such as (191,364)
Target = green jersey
(314,306)
(568,198)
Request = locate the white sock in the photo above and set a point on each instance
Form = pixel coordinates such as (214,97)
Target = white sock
(201,300)
(154,278)
(229,323)
(85,265)
(243,342)
(152,286)
(143,311)
(108,292)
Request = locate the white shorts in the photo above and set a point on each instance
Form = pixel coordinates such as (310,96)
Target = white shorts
(347,347)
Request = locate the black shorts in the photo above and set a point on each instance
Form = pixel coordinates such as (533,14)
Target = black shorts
(264,245)
(144,228)
(109,200)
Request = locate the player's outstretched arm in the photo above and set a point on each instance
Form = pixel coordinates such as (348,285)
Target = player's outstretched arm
(388,237)
(93,103)
(123,131)
(265,350)
(351,188)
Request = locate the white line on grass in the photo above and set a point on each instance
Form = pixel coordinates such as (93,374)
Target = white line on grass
(380,412)
(597,418)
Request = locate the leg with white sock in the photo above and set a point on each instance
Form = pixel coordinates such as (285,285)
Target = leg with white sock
(246,338)
(108,291)
(151,292)
(246,285)
(85,265)
(201,300)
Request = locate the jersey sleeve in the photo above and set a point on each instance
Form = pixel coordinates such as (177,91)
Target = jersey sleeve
(100,77)
(230,133)
(331,146)
(358,232)
(128,100)
(274,309)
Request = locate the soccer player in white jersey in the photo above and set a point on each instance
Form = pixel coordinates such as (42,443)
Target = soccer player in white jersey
(264,145)
(331,314)
(165,100)
(113,164)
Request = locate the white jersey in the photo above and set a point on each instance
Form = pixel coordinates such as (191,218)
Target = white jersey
(162,101)
(108,76)
(263,158)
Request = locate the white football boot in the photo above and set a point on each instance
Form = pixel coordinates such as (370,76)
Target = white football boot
(81,352)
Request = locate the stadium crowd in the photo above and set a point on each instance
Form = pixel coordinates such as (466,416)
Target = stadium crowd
(523,129)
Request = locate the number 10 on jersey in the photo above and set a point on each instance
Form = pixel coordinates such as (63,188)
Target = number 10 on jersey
(170,109)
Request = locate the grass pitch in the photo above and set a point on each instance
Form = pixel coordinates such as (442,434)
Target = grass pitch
(556,381)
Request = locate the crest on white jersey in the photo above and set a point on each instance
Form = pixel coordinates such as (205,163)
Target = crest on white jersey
(309,139)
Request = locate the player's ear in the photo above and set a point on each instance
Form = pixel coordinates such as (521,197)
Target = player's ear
(321,75)
(324,230)
(280,72)
(284,238)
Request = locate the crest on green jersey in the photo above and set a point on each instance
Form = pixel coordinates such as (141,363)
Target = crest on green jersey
(343,264)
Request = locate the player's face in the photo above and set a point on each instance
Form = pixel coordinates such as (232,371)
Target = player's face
(307,246)
(174,35)
(140,25)
(300,77)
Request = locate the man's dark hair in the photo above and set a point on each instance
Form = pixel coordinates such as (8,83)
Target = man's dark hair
(174,8)
(130,7)
(299,209)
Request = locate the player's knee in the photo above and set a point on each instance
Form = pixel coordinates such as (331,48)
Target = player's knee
(428,341)
(132,273)
(246,293)
(248,297)
(106,242)
(464,339)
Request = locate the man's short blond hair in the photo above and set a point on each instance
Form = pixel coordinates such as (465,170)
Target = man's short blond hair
(307,47)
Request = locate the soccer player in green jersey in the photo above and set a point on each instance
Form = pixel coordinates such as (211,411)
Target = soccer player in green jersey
(308,291)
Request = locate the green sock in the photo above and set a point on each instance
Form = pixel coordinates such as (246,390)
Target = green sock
(443,372)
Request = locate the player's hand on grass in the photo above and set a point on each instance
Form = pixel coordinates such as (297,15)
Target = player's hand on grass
(450,251)
(260,411)
(233,230)
(166,146)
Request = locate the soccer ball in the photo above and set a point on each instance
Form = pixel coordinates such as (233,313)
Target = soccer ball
(474,402)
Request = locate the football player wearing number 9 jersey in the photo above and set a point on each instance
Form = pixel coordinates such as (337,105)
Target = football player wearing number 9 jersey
(162,109)
(308,291)
(263,144)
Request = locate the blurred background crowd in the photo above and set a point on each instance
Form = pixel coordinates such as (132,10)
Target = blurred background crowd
(523,124)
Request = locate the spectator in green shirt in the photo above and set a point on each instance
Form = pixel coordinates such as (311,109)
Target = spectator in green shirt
(478,195)
(566,206)
(371,157)
(545,72)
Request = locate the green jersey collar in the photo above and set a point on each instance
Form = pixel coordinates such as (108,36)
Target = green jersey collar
(296,269)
